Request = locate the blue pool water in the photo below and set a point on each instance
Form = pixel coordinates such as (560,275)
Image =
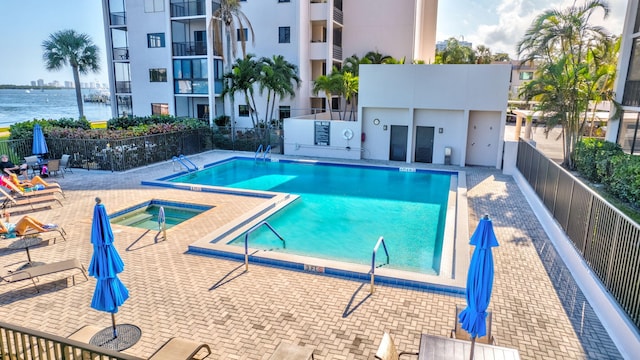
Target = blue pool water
(343,210)
(145,215)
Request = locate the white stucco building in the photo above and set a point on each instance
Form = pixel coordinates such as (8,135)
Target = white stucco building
(415,113)
(162,58)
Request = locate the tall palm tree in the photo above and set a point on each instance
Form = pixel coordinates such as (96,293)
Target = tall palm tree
(230,18)
(68,47)
(278,77)
(560,40)
(377,58)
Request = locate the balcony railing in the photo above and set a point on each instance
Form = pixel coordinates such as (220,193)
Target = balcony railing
(337,16)
(631,95)
(123,87)
(187,8)
(121,53)
(190,48)
(191,86)
(118,18)
(337,52)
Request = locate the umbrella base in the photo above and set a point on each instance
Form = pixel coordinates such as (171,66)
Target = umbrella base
(128,335)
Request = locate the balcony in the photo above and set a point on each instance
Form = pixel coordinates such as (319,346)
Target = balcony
(123,87)
(118,18)
(318,50)
(631,95)
(121,53)
(337,16)
(318,11)
(191,86)
(189,48)
(188,8)
(337,52)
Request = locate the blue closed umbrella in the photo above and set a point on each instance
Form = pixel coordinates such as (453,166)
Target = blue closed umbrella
(479,281)
(39,143)
(105,266)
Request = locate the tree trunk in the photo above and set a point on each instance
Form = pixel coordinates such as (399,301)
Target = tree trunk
(76,80)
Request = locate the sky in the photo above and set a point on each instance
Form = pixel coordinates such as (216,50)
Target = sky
(25,24)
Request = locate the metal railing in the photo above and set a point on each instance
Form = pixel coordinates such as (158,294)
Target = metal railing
(607,239)
(17,342)
(373,260)
(246,241)
(189,48)
(187,8)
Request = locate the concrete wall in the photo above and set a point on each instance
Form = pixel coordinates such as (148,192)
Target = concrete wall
(451,98)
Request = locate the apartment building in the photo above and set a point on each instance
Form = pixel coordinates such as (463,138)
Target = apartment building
(162,58)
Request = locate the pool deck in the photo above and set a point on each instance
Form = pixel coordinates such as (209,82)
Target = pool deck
(537,305)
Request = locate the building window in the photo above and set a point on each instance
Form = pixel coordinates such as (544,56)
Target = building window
(284,1)
(242,34)
(153,6)
(526,75)
(159,109)
(284,34)
(243,110)
(155,40)
(285,112)
(628,132)
(158,75)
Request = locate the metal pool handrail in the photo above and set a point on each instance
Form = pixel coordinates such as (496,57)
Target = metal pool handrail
(266,152)
(246,241)
(255,157)
(373,260)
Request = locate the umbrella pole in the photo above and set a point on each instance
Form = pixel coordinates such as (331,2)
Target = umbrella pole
(473,345)
(113,322)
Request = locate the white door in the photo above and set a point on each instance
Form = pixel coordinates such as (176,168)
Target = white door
(483,137)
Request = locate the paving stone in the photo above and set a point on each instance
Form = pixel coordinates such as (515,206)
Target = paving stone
(537,305)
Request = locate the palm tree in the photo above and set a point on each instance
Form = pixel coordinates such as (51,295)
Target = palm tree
(229,18)
(560,40)
(278,77)
(454,53)
(377,58)
(349,90)
(330,85)
(243,75)
(483,55)
(68,47)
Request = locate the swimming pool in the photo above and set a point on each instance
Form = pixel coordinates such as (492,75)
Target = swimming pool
(342,209)
(145,215)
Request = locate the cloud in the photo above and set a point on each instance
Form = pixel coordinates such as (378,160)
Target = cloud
(515,17)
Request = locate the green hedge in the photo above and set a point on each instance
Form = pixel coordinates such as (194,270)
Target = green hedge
(605,163)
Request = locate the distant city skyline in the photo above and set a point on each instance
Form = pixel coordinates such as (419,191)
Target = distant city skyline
(498,25)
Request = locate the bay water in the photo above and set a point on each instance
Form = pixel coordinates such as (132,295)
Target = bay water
(18,105)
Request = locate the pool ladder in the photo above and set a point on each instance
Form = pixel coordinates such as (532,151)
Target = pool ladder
(373,260)
(246,241)
(188,164)
(264,153)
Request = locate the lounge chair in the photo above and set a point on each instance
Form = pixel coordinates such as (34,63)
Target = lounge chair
(33,202)
(35,193)
(458,333)
(36,271)
(178,348)
(288,351)
(387,349)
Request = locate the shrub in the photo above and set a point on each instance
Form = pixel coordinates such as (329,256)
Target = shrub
(585,158)
(624,183)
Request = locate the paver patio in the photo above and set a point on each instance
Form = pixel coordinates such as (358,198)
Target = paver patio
(537,305)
